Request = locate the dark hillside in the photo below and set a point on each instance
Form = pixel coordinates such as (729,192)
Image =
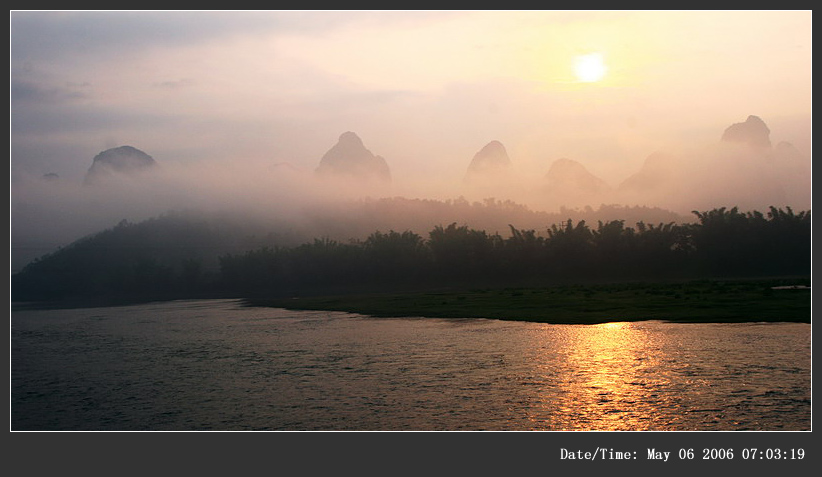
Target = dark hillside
(185,255)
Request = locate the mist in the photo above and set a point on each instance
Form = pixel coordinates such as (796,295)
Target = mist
(48,213)
(238,115)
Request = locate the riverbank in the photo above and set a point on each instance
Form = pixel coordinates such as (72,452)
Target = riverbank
(699,301)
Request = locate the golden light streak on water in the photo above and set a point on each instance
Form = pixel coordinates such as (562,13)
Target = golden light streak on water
(612,381)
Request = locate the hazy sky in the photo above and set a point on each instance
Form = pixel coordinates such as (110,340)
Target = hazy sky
(221,90)
(424,89)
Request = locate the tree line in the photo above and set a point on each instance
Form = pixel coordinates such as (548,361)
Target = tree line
(724,242)
(127,260)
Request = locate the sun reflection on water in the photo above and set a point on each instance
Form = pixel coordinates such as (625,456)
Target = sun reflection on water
(610,380)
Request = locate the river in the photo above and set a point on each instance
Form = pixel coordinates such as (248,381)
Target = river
(215,365)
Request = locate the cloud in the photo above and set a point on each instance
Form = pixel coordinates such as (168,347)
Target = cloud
(23,92)
(67,35)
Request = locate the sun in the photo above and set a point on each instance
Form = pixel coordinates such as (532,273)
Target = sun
(589,68)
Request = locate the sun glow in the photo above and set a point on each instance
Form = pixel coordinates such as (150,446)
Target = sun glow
(589,68)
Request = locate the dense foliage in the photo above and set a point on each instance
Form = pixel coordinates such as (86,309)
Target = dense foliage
(722,243)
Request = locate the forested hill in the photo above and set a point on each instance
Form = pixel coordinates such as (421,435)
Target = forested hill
(180,256)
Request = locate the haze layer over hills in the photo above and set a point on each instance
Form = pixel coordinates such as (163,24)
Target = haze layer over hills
(340,197)
(741,168)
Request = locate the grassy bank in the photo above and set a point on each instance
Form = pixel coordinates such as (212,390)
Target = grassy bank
(692,301)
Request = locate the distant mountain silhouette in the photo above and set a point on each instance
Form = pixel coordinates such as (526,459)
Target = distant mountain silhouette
(787,151)
(742,168)
(753,132)
(655,173)
(489,163)
(123,160)
(570,177)
(349,158)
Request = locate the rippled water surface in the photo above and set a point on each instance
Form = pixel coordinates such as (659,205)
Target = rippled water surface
(215,365)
